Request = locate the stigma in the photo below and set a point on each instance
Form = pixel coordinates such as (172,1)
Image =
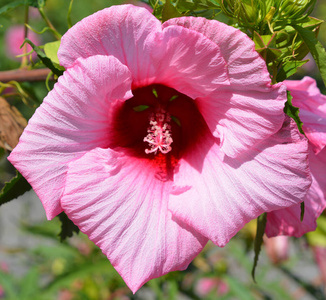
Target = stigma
(159,137)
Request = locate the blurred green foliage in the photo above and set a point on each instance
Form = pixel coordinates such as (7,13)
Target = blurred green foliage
(77,269)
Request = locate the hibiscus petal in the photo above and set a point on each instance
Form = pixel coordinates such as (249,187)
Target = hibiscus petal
(240,119)
(248,110)
(312,104)
(189,62)
(125,31)
(218,195)
(287,221)
(117,201)
(72,119)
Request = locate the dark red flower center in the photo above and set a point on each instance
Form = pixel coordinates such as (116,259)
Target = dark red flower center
(160,124)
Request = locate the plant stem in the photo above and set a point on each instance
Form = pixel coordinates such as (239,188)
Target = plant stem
(21,75)
(24,57)
(47,21)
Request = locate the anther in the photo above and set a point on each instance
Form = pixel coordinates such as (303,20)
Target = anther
(159,134)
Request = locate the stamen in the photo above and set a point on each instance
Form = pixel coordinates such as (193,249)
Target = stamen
(159,134)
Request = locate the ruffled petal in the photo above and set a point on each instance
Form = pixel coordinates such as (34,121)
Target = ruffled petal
(287,221)
(240,119)
(218,195)
(125,31)
(119,203)
(312,104)
(72,120)
(189,62)
(250,104)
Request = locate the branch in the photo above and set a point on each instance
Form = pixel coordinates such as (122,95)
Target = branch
(24,75)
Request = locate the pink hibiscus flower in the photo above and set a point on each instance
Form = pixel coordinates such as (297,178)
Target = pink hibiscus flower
(14,39)
(160,137)
(312,105)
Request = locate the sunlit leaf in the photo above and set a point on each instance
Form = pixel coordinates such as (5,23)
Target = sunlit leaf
(289,68)
(316,48)
(169,11)
(45,60)
(318,237)
(51,50)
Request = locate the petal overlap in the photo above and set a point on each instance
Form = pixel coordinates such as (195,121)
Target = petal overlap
(312,105)
(258,104)
(218,195)
(129,221)
(287,221)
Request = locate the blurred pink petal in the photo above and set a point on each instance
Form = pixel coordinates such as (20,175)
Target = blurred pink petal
(207,285)
(14,38)
(128,145)
(312,106)
(320,257)
(277,248)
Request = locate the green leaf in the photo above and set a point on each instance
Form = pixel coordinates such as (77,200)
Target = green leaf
(318,237)
(45,60)
(67,227)
(13,4)
(288,69)
(293,112)
(7,282)
(29,284)
(315,47)
(51,50)
(81,271)
(14,188)
(238,289)
(261,224)
(36,3)
(193,5)
(169,11)
(8,7)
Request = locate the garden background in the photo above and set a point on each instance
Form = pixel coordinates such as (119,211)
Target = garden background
(35,264)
